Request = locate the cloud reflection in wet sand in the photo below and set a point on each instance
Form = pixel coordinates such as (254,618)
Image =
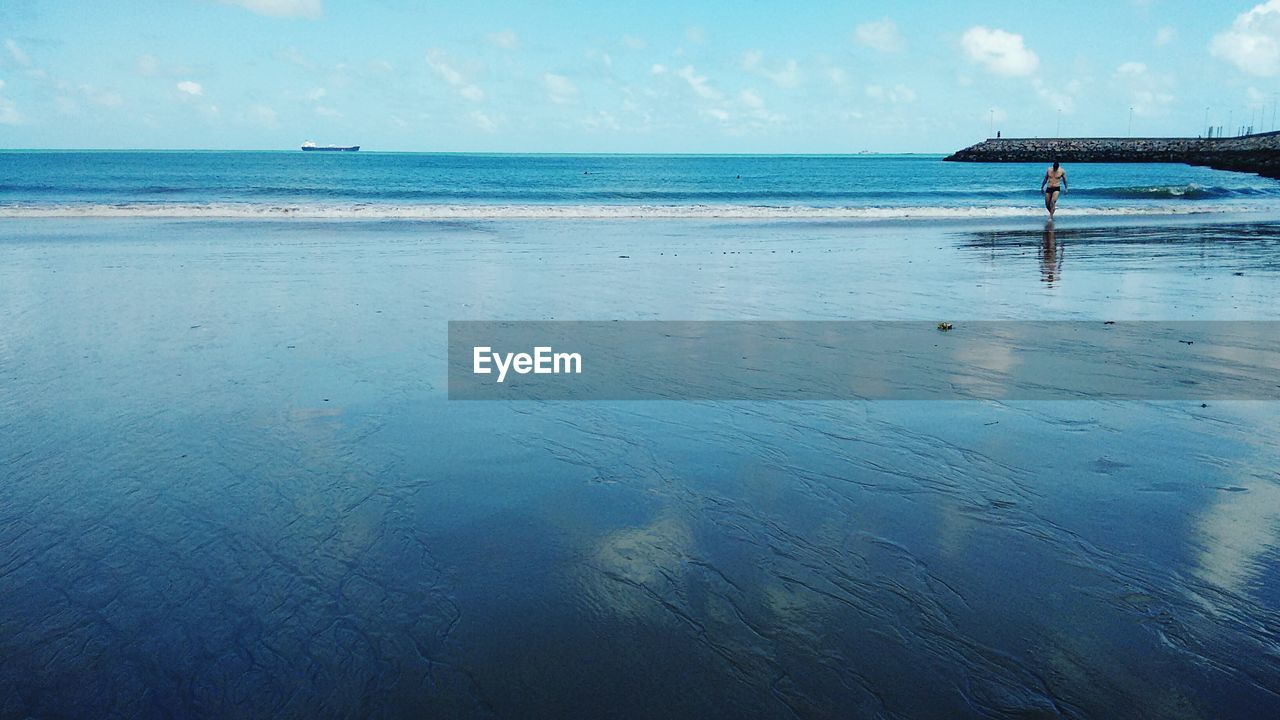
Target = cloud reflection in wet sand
(184,520)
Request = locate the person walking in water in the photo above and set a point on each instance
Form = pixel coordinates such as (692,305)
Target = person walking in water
(1055,181)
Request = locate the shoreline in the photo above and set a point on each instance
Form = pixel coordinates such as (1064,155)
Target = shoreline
(272,213)
(1035,226)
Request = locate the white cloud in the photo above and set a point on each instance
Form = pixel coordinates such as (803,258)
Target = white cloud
(880,35)
(437,61)
(560,88)
(280,8)
(786,74)
(1149,93)
(293,55)
(1166,35)
(504,39)
(743,113)
(1064,99)
(9,114)
(1000,52)
(482,121)
(635,42)
(698,83)
(105,98)
(1131,69)
(265,116)
(897,94)
(148,65)
(8,111)
(16,52)
(696,35)
(325,111)
(602,120)
(658,69)
(316,93)
(1148,103)
(191,88)
(1253,42)
(755,111)
(837,76)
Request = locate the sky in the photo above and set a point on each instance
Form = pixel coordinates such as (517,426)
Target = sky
(682,77)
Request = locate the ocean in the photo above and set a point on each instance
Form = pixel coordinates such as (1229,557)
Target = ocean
(232,482)
(446,186)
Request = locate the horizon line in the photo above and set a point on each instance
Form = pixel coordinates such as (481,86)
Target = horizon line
(854,153)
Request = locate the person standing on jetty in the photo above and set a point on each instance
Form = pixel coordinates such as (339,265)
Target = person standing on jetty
(1053,178)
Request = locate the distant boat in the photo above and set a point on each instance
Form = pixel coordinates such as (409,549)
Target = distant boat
(309,146)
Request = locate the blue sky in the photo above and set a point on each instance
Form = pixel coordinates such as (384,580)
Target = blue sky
(746,76)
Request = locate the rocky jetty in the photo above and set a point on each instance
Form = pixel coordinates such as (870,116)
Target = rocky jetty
(1259,153)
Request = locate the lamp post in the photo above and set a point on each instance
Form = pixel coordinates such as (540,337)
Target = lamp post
(1130,121)
(1206,120)
(1059,131)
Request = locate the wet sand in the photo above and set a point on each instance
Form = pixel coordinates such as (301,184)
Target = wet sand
(231,484)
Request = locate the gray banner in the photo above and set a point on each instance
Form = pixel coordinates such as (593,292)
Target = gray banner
(856,360)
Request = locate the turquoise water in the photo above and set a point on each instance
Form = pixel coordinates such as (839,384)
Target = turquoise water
(232,484)
(409,185)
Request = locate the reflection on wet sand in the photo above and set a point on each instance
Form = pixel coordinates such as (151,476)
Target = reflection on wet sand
(1238,532)
(649,558)
(1050,257)
(279,514)
(1236,244)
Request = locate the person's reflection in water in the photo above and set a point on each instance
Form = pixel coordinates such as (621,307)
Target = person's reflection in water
(1050,258)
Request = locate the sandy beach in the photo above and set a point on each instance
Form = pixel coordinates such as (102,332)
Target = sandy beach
(233,485)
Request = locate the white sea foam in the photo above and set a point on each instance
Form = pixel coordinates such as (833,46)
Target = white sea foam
(264,211)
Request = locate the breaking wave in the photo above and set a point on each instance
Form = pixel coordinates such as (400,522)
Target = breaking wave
(1173,192)
(381,211)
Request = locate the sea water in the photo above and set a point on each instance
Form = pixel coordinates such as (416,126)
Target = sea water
(422,185)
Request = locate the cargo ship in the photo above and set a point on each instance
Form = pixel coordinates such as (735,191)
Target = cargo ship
(312,147)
